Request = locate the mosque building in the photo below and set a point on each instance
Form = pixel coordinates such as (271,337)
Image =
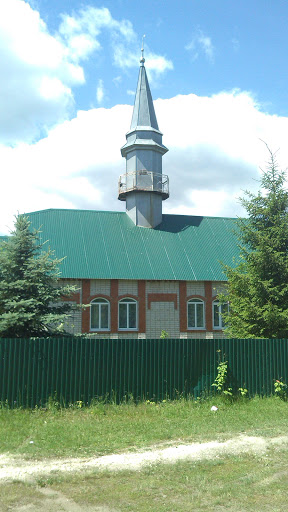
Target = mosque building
(142,271)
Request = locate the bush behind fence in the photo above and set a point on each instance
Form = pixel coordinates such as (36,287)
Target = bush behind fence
(73,369)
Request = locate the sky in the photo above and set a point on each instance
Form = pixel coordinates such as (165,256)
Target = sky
(218,75)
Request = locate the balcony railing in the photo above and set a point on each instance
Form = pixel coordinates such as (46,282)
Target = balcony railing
(143,181)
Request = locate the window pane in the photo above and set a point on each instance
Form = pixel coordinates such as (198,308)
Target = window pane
(200,314)
(122,316)
(104,316)
(132,316)
(216,315)
(191,315)
(95,316)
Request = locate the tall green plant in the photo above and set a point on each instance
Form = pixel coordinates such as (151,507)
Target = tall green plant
(30,293)
(258,284)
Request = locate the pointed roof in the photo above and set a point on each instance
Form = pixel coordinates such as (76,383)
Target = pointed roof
(143,113)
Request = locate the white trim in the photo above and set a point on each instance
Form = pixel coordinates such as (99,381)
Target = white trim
(219,327)
(95,302)
(194,301)
(127,302)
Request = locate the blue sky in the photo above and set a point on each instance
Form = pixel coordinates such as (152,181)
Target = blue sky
(246,47)
(68,72)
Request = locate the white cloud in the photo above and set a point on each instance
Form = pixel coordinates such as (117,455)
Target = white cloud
(35,74)
(100,91)
(38,70)
(155,64)
(117,80)
(201,43)
(214,153)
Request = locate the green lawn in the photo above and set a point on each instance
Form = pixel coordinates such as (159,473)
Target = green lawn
(230,483)
(104,429)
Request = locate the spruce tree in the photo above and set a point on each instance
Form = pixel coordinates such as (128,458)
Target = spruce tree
(30,292)
(258,285)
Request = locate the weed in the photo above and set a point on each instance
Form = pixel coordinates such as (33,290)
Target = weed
(53,404)
(225,384)
(281,390)
(222,379)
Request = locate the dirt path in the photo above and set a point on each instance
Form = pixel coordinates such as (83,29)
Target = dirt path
(15,468)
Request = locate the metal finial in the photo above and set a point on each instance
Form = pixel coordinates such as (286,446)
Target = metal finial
(142,60)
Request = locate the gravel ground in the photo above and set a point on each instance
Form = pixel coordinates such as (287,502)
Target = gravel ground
(15,468)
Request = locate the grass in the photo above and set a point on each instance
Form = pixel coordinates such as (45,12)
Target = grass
(104,429)
(232,483)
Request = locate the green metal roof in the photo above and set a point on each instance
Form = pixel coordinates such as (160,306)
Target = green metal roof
(107,245)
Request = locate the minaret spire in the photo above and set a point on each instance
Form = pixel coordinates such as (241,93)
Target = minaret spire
(142,60)
(143,187)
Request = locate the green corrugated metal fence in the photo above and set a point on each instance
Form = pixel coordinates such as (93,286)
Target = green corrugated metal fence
(32,370)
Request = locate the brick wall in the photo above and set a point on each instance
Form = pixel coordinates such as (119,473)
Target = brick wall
(162,305)
(100,286)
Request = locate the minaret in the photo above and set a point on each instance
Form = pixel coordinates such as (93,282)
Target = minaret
(144,187)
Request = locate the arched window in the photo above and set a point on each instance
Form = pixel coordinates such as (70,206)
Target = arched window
(99,315)
(218,311)
(195,314)
(128,314)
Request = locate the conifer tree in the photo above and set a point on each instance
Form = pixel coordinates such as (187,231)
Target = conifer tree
(258,285)
(30,292)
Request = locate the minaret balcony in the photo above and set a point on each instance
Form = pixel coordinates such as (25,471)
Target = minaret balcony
(143,181)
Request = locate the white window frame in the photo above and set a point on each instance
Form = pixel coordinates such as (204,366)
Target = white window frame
(193,302)
(100,302)
(128,301)
(221,325)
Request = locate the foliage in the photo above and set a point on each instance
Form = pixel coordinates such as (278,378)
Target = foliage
(164,334)
(243,392)
(30,293)
(258,285)
(224,382)
(222,379)
(281,390)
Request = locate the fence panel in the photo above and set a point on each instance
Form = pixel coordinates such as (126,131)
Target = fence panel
(72,369)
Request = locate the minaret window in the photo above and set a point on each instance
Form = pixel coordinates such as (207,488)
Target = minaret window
(99,315)
(128,314)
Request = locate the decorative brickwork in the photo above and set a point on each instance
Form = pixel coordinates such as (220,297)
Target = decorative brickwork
(100,287)
(162,316)
(162,297)
(114,305)
(128,288)
(208,310)
(195,288)
(142,305)
(182,305)
(161,305)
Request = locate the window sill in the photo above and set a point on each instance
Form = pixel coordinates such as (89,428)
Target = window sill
(100,330)
(196,329)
